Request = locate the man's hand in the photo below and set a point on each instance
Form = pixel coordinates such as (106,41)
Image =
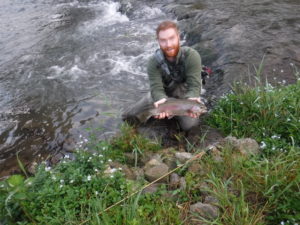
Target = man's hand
(163,114)
(195,115)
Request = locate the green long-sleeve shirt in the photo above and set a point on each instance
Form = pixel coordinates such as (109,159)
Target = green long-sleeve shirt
(192,71)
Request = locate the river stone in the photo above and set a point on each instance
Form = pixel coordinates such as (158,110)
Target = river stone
(211,200)
(174,181)
(151,189)
(155,169)
(138,173)
(245,146)
(129,174)
(182,183)
(205,210)
(183,156)
(196,168)
(248,146)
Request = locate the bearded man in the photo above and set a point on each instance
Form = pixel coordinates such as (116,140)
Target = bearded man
(173,71)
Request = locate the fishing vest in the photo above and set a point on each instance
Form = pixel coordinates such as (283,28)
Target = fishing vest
(175,74)
(172,73)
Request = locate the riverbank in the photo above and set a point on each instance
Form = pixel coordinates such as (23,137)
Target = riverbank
(237,180)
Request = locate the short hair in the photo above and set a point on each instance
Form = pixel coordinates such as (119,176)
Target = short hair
(166,25)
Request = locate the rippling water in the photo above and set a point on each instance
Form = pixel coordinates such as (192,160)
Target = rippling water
(67,68)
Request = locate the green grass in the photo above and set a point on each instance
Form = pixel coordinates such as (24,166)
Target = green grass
(261,189)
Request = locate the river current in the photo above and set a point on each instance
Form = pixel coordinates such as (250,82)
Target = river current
(67,69)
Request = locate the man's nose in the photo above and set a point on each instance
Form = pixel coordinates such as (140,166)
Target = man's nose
(169,43)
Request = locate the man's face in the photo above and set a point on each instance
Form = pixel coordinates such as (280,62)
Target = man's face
(169,42)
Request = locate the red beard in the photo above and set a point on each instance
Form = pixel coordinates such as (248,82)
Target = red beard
(171,51)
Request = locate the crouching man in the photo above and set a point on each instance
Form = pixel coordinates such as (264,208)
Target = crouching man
(173,71)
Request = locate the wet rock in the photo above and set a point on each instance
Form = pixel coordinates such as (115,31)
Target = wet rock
(205,210)
(56,158)
(155,169)
(183,156)
(69,145)
(31,168)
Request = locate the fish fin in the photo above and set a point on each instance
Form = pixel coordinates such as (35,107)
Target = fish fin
(144,117)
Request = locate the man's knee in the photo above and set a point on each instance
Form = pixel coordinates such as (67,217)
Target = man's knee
(186,122)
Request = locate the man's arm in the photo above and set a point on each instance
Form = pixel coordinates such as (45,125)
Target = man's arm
(155,80)
(193,70)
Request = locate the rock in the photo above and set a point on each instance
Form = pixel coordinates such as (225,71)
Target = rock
(248,146)
(174,181)
(204,188)
(216,155)
(152,188)
(205,210)
(129,158)
(168,156)
(245,146)
(183,156)
(155,169)
(115,166)
(69,145)
(31,168)
(211,200)
(196,167)
(182,183)
(138,173)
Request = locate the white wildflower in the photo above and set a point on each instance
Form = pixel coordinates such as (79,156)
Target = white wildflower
(89,177)
(120,168)
(273,148)
(263,145)
(111,176)
(96,192)
(71,181)
(48,168)
(67,157)
(53,177)
(96,170)
(62,181)
(109,160)
(60,186)
(86,140)
(288,119)
(80,136)
(113,170)
(100,155)
(275,136)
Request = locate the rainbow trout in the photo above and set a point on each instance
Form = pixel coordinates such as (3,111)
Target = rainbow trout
(174,106)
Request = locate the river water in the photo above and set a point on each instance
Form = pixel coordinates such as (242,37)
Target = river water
(67,69)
